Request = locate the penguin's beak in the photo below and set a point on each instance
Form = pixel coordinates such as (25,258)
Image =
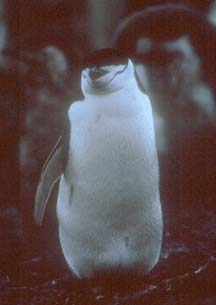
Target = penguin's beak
(96,73)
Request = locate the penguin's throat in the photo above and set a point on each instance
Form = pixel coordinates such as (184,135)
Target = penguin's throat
(107,89)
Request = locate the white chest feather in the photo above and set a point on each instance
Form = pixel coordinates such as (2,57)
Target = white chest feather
(112,154)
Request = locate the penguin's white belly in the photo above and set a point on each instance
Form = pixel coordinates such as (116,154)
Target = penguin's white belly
(108,206)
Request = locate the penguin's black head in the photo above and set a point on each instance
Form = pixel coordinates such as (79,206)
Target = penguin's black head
(102,61)
(105,70)
(98,61)
(104,57)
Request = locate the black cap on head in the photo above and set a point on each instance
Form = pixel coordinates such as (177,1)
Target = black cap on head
(105,57)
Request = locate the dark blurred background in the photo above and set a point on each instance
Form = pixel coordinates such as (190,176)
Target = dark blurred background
(42,44)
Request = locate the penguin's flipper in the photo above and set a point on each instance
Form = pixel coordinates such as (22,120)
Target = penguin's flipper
(51,173)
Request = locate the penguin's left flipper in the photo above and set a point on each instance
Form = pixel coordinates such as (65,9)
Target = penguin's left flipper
(51,173)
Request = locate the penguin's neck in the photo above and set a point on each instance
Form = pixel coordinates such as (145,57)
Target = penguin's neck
(112,88)
(126,100)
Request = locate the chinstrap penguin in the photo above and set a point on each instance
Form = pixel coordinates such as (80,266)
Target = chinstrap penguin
(108,205)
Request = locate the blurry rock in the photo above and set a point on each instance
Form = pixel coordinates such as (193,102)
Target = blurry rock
(102,20)
(35,24)
(48,89)
(172,49)
(9,133)
(9,120)
(212,13)
(10,222)
(11,239)
(173,52)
